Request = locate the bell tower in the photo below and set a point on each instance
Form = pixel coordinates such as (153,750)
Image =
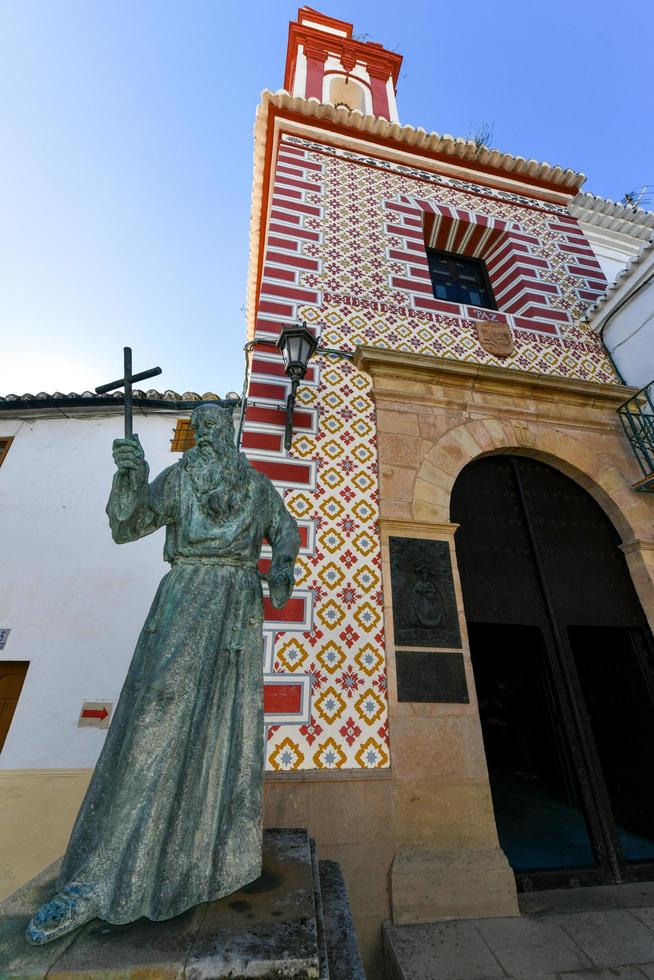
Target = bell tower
(324,61)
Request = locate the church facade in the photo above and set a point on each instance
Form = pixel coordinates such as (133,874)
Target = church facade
(477,541)
(475,587)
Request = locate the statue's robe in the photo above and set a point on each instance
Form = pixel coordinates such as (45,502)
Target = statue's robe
(173,814)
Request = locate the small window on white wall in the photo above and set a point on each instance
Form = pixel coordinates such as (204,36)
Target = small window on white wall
(12,675)
(346,92)
(5,443)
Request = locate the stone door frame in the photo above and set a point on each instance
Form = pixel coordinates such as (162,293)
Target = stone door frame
(434,416)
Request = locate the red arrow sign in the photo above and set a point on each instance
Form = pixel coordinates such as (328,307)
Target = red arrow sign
(100,713)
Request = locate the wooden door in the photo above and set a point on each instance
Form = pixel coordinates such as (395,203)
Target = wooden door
(12,675)
(564,669)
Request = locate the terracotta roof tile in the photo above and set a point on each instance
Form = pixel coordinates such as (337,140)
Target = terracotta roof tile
(151,395)
(605,213)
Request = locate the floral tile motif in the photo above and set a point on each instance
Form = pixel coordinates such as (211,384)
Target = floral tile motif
(330,705)
(286,756)
(331,656)
(329,755)
(370,706)
(291,655)
(369,659)
(372,754)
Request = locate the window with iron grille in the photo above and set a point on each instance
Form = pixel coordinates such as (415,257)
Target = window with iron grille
(5,443)
(183,437)
(459,279)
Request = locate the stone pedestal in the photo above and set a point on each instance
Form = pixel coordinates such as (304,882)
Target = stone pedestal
(275,927)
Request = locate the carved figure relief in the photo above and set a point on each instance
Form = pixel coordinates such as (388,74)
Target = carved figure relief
(424,603)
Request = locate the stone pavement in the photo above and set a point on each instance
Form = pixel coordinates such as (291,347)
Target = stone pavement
(580,934)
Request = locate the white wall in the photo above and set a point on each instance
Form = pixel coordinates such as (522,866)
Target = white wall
(74,600)
(613,249)
(629,327)
(624,319)
(300,79)
(392,102)
(631,342)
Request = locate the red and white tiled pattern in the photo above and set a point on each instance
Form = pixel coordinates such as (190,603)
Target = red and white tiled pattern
(346,253)
(325,680)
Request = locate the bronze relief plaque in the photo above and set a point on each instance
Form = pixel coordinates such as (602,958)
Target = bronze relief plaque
(430,676)
(495,338)
(424,603)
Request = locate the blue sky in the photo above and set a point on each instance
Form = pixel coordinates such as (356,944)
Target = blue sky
(126,162)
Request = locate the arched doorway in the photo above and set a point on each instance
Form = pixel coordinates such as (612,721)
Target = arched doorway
(562,658)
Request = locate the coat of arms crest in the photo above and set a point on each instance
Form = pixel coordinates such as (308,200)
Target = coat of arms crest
(495,338)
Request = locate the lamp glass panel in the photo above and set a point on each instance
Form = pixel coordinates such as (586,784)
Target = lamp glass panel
(305,350)
(294,347)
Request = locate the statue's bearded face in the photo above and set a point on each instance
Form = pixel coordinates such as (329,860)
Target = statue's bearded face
(219,473)
(213,428)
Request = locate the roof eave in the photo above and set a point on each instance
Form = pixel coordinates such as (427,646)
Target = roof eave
(152,400)
(604,213)
(638,271)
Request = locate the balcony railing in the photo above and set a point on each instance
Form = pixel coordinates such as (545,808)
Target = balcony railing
(637,417)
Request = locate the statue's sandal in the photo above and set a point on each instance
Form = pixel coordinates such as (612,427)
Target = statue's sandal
(68,910)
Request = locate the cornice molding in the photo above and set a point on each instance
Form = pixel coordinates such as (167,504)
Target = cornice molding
(321,44)
(637,546)
(537,174)
(379,362)
(389,526)
(301,776)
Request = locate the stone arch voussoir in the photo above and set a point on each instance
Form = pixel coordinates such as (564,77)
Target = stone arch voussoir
(581,461)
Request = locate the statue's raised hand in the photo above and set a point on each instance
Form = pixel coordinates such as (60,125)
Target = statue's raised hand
(129,456)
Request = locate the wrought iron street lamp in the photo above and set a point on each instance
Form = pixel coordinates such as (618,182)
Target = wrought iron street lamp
(297,344)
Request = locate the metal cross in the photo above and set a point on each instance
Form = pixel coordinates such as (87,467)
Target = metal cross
(127,381)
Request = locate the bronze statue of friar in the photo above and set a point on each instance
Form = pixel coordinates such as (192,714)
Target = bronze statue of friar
(173,813)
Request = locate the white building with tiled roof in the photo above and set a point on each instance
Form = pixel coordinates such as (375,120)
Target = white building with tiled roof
(72,604)
(623,314)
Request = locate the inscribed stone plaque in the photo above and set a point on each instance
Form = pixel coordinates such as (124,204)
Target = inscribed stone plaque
(431,677)
(424,603)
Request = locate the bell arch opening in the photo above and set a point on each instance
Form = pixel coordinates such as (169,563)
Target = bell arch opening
(346,92)
(563,666)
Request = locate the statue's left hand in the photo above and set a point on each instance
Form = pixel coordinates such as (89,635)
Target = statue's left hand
(280,580)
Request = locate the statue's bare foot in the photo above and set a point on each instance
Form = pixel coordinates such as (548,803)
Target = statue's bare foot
(68,910)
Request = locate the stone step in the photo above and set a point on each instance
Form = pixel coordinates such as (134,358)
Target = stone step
(341,939)
(268,929)
(320,916)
